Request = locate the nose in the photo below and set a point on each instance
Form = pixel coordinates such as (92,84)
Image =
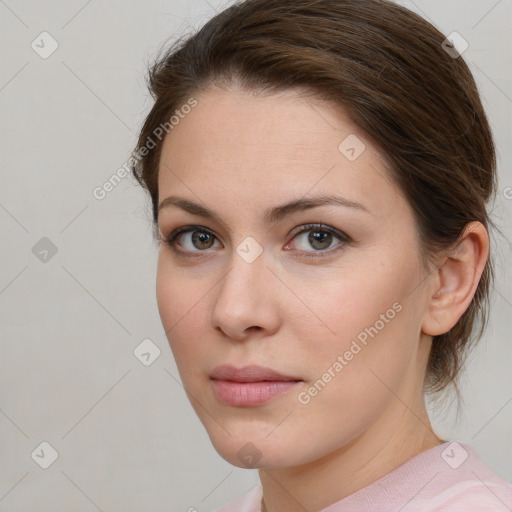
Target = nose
(246,302)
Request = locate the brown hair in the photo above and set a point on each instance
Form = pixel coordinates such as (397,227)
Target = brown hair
(390,72)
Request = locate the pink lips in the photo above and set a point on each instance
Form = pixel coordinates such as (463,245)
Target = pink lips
(250,385)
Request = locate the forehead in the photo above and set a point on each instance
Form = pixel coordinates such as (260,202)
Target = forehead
(236,147)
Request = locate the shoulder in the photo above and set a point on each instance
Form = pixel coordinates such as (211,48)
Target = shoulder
(475,496)
(247,502)
(458,479)
(448,478)
(467,481)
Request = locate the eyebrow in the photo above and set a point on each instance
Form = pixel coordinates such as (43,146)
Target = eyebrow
(272,214)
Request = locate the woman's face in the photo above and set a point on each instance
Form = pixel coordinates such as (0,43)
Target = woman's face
(254,281)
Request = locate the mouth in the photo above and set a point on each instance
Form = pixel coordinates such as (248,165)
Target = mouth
(250,374)
(249,386)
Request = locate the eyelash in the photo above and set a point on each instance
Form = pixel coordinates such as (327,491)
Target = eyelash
(343,238)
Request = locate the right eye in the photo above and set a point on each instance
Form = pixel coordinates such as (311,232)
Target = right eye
(191,239)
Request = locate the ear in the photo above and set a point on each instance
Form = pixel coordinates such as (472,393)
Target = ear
(456,280)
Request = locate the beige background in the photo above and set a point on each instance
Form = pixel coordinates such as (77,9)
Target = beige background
(126,437)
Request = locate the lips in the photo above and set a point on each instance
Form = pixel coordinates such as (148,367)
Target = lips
(249,374)
(249,386)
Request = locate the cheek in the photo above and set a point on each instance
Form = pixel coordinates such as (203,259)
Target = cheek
(178,304)
(170,303)
(350,373)
(341,306)
(366,315)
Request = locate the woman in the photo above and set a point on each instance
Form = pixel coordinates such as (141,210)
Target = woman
(319,173)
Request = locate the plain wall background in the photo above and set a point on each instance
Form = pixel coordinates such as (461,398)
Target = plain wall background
(126,436)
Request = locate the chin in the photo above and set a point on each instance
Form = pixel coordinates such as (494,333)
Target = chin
(258,450)
(253,455)
(250,449)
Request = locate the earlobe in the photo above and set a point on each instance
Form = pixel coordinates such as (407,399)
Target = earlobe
(456,280)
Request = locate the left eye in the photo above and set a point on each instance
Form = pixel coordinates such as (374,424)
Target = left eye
(318,239)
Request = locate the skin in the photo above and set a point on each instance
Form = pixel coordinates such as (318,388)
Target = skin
(240,154)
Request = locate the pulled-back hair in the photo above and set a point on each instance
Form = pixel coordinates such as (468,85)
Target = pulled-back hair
(388,69)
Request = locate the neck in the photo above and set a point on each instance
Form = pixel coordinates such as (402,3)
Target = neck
(399,435)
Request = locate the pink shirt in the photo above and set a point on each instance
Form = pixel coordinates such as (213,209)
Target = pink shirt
(447,478)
